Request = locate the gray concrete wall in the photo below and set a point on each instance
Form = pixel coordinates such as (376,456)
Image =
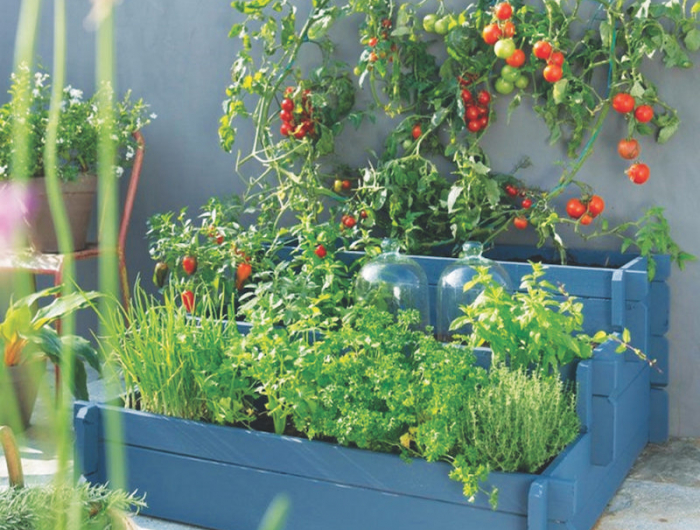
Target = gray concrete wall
(176,55)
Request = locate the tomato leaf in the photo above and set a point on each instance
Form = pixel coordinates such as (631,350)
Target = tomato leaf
(559,90)
(454,194)
(667,132)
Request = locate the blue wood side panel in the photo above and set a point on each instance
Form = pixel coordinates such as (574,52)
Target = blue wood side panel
(658,415)
(312,459)
(86,423)
(225,497)
(602,433)
(659,300)
(537,506)
(658,350)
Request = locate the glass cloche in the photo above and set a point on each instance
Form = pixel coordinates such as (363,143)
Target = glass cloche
(450,289)
(394,282)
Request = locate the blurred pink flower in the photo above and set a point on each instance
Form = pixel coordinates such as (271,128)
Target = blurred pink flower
(15,207)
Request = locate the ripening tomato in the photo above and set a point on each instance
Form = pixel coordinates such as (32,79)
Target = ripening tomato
(483,121)
(623,103)
(286,128)
(372,42)
(517,59)
(321,251)
(471,113)
(520,223)
(416,132)
(466,96)
(596,205)
(527,203)
(643,113)
(638,173)
(373,57)
(349,221)
(286,116)
(508,29)
(586,219)
(219,238)
(363,214)
(482,109)
(346,184)
(189,264)
(628,149)
(503,11)
(188,301)
(552,73)
(542,49)
(243,272)
(484,98)
(491,34)
(575,208)
(556,58)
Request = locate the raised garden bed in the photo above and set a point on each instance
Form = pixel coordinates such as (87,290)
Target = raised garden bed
(223,477)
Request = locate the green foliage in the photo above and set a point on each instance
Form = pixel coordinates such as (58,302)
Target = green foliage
(79,126)
(518,421)
(40,507)
(528,328)
(177,365)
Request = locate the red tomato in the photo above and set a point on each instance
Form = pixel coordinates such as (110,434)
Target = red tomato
(471,113)
(187,298)
(484,98)
(623,103)
(189,264)
(372,41)
(373,57)
(527,203)
(511,190)
(349,221)
(483,122)
(596,205)
(416,132)
(286,128)
(520,223)
(474,125)
(643,113)
(586,219)
(363,214)
(575,208)
(491,34)
(466,96)
(346,184)
(482,110)
(503,11)
(552,73)
(628,149)
(638,173)
(517,59)
(286,116)
(556,58)
(219,239)
(508,29)
(320,251)
(287,104)
(542,49)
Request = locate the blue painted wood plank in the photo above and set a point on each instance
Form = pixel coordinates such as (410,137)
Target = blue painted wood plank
(537,506)
(225,497)
(86,425)
(658,415)
(660,303)
(658,350)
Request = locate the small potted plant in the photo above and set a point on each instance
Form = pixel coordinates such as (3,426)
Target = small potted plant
(28,339)
(79,127)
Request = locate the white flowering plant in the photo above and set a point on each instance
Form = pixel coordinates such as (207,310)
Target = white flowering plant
(80,123)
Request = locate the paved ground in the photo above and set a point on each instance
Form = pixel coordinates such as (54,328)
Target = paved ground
(662,492)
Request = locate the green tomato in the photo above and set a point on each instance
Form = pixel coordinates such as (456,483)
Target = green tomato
(504,48)
(406,144)
(429,22)
(509,73)
(504,87)
(442,26)
(522,81)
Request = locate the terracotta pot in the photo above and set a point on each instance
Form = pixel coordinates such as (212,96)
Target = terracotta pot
(22,381)
(79,198)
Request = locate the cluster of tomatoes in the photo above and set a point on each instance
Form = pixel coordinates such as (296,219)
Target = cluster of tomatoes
(585,210)
(628,148)
(553,72)
(378,48)
(476,108)
(297,121)
(520,222)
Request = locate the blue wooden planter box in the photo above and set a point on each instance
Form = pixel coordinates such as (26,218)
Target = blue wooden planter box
(224,478)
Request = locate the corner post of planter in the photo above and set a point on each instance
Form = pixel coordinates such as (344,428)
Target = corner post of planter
(584,394)
(618,300)
(86,421)
(537,501)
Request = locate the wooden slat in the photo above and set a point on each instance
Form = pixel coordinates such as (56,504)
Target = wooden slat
(658,415)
